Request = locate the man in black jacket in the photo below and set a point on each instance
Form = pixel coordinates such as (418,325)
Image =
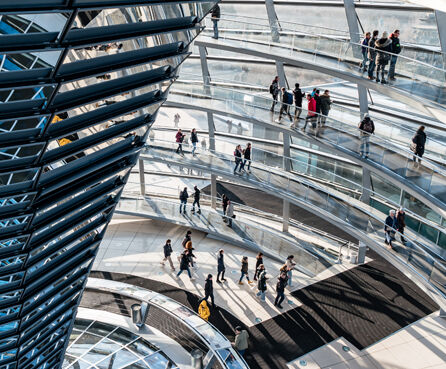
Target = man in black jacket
(372,54)
(196,200)
(215,16)
(298,96)
(209,290)
(396,49)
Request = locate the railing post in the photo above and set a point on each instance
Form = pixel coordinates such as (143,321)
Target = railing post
(142,178)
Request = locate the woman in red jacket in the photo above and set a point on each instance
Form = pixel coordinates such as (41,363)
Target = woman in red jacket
(311,116)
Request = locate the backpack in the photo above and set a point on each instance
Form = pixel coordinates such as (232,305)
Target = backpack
(288,98)
(271,88)
(368,126)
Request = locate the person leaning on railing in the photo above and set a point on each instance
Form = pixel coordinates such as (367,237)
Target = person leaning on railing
(396,49)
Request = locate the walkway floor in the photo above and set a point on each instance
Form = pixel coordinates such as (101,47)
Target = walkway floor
(363,304)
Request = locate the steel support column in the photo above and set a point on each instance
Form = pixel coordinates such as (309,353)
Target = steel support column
(142,178)
(213,191)
(273,20)
(367,185)
(353,26)
(441,26)
(211,129)
(281,73)
(204,65)
(363,100)
(287,167)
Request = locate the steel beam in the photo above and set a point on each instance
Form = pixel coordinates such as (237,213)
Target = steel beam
(353,26)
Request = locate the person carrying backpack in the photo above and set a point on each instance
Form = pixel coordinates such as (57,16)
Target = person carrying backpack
(366,128)
(287,101)
(179,138)
(274,91)
(183,200)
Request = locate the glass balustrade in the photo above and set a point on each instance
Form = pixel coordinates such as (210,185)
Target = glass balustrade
(424,222)
(420,78)
(415,52)
(242,231)
(358,217)
(428,177)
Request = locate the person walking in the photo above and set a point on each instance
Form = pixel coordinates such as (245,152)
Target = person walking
(215,17)
(194,140)
(396,49)
(325,105)
(197,194)
(366,129)
(280,289)
(244,270)
(241,340)
(311,116)
(247,157)
(418,144)
(209,290)
(298,96)
(261,284)
(189,248)
(372,55)
(390,227)
(184,263)
(365,51)
(221,266)
(290,264)
(179,137)
(238,159)
(274,91)
(176,120)
(401,221)
(287,100)
(224,203)
(183,200)
(230,214)
(259,261)
(167,254)
(203,310)
(383,47)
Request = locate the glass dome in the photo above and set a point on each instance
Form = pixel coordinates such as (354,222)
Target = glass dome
(100,345)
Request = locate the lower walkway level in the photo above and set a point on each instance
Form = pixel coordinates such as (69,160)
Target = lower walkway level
(363,304)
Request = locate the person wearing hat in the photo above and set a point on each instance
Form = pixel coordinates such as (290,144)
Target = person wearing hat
(366,128)
(383,47)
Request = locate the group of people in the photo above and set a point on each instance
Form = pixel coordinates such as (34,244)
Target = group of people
(184,196)
(242,159)
(319,104)
(180,139)
(378,52)
(367,128)
(395,222)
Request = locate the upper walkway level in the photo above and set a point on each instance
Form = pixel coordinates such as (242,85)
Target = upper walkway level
(419,84)
(426,181)
(433,4)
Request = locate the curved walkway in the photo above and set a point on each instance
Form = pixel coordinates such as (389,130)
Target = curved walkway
(431,102)
(311,259)
(361,220)
(426,182)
